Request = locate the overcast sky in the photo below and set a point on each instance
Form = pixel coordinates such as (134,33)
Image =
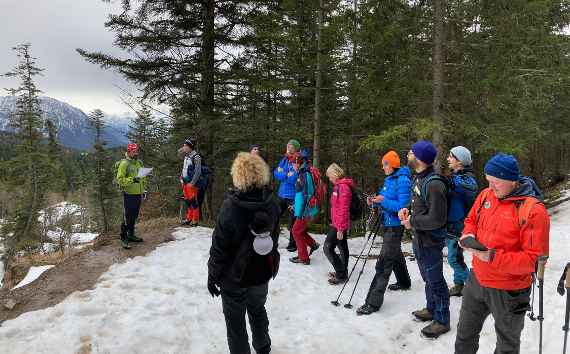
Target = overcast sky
(55,28)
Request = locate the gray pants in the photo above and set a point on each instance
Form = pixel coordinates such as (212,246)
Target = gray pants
(235,302)
(508,308)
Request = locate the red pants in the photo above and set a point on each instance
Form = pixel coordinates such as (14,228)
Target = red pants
(302,238)
(191,198)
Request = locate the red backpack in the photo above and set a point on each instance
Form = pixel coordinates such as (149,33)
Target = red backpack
(320,187)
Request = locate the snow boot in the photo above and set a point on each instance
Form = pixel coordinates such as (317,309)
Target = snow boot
(397,287)
(332,274)
(434,330)
(133,238)
(423,315)
(366,309)
(125,243)
(292,246)
(314,248)
(297,260)
(456,290)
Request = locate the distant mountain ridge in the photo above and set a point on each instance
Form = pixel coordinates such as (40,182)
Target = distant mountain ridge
(72,123)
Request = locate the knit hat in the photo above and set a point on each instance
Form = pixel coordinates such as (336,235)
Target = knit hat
(296,144)
(190,142)
(503,166)
(132,147)
(462,154)
(261,230)
(424,151)
(392,158)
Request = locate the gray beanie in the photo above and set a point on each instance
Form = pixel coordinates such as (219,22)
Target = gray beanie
(462,154)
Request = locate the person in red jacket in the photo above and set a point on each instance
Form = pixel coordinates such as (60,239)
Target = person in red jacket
(340,225)
(509,219)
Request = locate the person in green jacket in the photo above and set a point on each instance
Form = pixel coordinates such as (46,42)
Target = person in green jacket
(134,192)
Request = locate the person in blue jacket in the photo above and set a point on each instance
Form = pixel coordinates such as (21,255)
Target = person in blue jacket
(286,173)
(393,196)
(463,190)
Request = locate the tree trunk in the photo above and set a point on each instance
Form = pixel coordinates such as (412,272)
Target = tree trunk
(438,75)
(319,79)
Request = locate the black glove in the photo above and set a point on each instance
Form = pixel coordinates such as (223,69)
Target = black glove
(213,287)
(560,287)
(136,180)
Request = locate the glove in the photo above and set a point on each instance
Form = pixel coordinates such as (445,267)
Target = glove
(213,287)
(136,180)
(145,195)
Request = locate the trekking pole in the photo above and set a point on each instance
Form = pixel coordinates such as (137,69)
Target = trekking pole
(377,228)
(335,302)
(533,291)
(567,315)
(540,275)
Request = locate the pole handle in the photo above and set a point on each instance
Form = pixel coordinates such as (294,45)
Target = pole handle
(567,283)
(541,265)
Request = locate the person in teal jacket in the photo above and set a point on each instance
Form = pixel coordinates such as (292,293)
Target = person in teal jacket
(134,191)
(304,212)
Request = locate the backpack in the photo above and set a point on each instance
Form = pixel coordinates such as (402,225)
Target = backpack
(116,183)
(356,204)
(471,191)
(204,179)
(523,207)
(320,188)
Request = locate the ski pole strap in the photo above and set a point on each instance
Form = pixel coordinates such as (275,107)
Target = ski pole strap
(541,265)
(561,284)
(567,284)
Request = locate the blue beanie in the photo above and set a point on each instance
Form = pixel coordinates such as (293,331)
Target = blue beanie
(424,151)
(503,166)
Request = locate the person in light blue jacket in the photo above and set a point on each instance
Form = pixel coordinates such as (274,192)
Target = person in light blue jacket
(286,173)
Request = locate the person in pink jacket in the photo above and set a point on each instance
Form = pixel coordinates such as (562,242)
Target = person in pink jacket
(340,214)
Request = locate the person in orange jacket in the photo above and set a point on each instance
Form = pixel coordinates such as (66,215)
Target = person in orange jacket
(511,221)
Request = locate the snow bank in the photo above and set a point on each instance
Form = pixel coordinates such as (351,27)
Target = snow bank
(159,304)
(33,274)
(60,210)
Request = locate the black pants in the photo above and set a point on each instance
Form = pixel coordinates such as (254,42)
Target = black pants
(284,204)
(236,302)
(131,208)
(339,263)
(508,309)
(391,259)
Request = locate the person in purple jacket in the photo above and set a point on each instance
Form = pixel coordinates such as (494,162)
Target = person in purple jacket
(286,173)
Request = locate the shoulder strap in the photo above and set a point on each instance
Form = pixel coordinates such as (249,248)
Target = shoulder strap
(426,181)
(484,195)
(524,207)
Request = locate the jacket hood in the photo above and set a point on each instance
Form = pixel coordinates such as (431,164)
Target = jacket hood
(346,180)
(402,171)
(527,188)
(254,199)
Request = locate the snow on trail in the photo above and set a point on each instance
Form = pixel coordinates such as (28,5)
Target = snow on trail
(159,304)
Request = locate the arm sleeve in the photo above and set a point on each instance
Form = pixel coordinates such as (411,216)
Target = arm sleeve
(436,216)
(404,190)
(197,169)
(122,178)
(344,200)
(219,249)
(280,175)
(534,238)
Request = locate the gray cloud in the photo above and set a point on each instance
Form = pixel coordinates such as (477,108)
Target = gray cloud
(55,28)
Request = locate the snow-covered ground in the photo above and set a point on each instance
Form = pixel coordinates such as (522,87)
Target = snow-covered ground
(33,274)
(159,304)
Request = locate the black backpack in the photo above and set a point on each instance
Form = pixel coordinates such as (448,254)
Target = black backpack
(356,204)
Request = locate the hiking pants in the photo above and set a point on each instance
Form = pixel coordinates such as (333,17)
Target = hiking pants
(508,308)
(236,302)
(284,204)
(191,199)
(430,262)
(340,264)
(391,259)
(302,238)
(455,254)
(131,208)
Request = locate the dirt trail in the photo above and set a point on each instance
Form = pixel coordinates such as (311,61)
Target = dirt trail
(77,273)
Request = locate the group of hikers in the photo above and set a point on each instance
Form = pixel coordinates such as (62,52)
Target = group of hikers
(505,227)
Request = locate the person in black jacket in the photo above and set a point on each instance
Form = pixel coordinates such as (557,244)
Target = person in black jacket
(244,256)
(428,220)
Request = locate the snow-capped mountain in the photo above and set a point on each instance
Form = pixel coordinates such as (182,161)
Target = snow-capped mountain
(73,126)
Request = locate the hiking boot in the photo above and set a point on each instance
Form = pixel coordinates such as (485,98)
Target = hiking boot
(125,244)
(297,260)
(423,315)
(397,287)
(134,238)
(314,248)
(456,290)
(292,248)
(185,223)
(335,281)
(332,274)
(366,310)
(434,330)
